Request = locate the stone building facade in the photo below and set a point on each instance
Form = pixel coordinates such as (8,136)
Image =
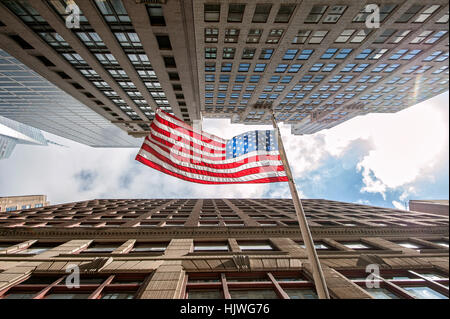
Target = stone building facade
(219,248)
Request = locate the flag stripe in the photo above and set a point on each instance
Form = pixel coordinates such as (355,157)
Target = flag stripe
(255,155)
(185,150)
(207,172)
(181,140)
(156,166)
(231,168)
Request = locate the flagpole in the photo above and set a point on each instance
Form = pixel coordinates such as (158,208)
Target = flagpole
(319,279)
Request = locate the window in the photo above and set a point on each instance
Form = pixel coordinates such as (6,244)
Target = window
(260,67)
(101,248)
(302,36)
(244,67)
(315,14)
(235,12)
(334,13)
(212,12)
(148,247)
(385,10)
(118,286)
(163,42)
(226,67)
(231,35)
(208,246)
(271,285)
(254,35)
(412,11)
(262,12)
(11,208)
(385,35)
(155,13)
(266,54)
(248,53)
(305,54)
(113,11)
(360,36)
(211,35)
(317,37)
(344,36)
(274,35)
(249,246)
(426,13)
(290,54)
(405,284)
(284,13)
(356,245)
(210,53)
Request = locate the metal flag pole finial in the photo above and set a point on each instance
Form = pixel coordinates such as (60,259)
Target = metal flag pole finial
(319,279)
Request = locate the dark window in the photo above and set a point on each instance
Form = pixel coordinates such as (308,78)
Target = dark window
(155,12)
(77,86)
(284,13)
(262,12)
(236,12)
(177,87)
(212,12)
(23,44)
(163,42)
(44,60)
(173,76)
(63,75)
(169,62)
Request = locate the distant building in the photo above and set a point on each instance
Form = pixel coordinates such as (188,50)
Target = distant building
(220,248)
(432,206)
(16,203)
(13,133)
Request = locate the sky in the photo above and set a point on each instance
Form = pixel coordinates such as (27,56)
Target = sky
(377,159)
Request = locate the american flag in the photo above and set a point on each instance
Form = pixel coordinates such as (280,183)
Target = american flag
(175,148)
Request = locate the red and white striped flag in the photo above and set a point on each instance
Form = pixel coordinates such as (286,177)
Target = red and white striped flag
(175,148)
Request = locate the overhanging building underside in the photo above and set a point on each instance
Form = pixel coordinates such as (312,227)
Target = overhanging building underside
(317,64)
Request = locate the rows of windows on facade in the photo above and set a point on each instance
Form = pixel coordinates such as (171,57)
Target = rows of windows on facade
(278,83)
(394,283)
(28,206)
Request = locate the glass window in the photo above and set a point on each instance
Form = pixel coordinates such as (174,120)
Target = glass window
(315,14)
(260,67)
(255,246)
(425,293)
(254,35)
(262,12)
(356,245)
(212,12)
(381,293)
(148,247)
(211,247)
(235,12)
(248,53)
(204,294)
(301,293)
(253,294)
(284,13)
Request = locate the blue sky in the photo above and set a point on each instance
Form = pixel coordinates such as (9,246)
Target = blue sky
(377,159)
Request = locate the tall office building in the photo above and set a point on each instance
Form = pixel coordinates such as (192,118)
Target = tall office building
(220,248)
(17,203)
(13,133)
(28,98)
(317,64)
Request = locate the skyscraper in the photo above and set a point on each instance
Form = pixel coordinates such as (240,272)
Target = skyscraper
(220,248)
(13,133)
(317,64)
